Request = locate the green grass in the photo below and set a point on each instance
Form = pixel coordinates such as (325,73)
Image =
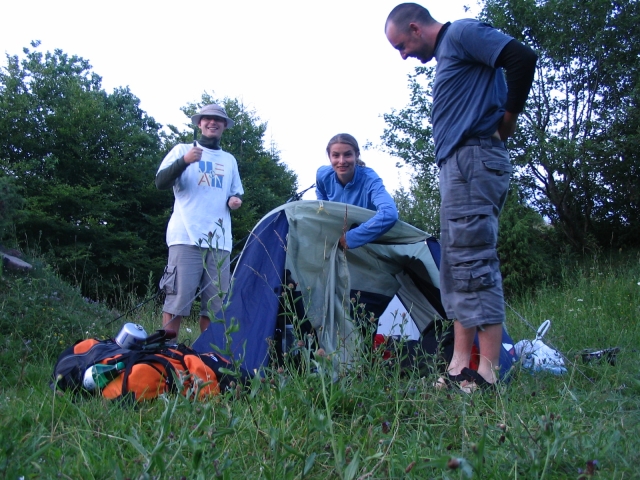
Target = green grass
(373,423)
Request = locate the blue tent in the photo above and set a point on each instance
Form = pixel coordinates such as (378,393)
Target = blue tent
(295,247)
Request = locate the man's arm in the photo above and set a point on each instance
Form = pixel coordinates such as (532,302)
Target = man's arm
(519,62)
(166,177)
(235,192)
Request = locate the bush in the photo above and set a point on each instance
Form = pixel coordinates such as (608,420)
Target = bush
(525,247)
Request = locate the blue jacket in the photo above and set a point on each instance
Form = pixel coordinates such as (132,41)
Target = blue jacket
(364,190)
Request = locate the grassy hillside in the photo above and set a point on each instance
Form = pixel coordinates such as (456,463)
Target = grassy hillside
(370,424)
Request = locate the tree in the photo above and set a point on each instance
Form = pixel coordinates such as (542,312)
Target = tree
(420,204)
(577,153)
(84,161)
(408,136)
(10,205)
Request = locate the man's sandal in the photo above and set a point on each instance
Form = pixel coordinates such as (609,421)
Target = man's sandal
(476,382)
(446,381)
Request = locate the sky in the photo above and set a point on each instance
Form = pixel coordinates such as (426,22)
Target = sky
(309,70)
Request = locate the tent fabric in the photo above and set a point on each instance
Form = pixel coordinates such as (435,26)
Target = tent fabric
(396,321)
(299,241)
(307,245)
(253,301)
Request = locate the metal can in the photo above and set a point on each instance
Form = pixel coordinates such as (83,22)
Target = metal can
(130,336)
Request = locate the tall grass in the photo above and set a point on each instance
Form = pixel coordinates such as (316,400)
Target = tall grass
(375,422)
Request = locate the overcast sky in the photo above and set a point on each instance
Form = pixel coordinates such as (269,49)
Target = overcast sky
(308,69)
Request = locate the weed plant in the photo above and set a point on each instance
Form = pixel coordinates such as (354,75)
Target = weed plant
(296,422)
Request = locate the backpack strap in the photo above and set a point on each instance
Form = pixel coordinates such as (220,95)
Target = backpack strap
(166,370)
(70,367)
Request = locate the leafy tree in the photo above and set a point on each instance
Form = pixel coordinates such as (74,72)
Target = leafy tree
(578,152)
(420,204)
(10,204)
(85,162)
(267,181)
(408,135)
(576,149)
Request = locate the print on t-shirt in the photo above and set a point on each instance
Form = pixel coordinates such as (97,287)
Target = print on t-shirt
(211,174)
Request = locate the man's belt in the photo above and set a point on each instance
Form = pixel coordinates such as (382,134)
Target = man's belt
(487,141)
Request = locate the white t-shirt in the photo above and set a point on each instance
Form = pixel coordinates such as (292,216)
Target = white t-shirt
(201,193)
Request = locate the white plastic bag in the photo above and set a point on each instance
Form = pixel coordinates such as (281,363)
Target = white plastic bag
(538,356)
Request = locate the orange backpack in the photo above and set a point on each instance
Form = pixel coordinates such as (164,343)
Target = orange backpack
(147,374)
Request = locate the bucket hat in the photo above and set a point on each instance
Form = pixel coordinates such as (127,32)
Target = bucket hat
(212,110)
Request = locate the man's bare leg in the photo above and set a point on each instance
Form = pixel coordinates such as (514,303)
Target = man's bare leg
(204,323)
(171,322)
(490,339)
(462,344)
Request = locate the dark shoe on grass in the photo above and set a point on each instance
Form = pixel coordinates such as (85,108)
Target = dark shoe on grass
(446,381)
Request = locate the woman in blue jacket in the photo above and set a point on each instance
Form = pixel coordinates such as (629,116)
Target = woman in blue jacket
(348,180)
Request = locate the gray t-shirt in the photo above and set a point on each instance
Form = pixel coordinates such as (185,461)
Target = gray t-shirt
(468,92)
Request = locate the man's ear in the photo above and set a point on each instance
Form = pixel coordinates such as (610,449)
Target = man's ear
(415,28)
